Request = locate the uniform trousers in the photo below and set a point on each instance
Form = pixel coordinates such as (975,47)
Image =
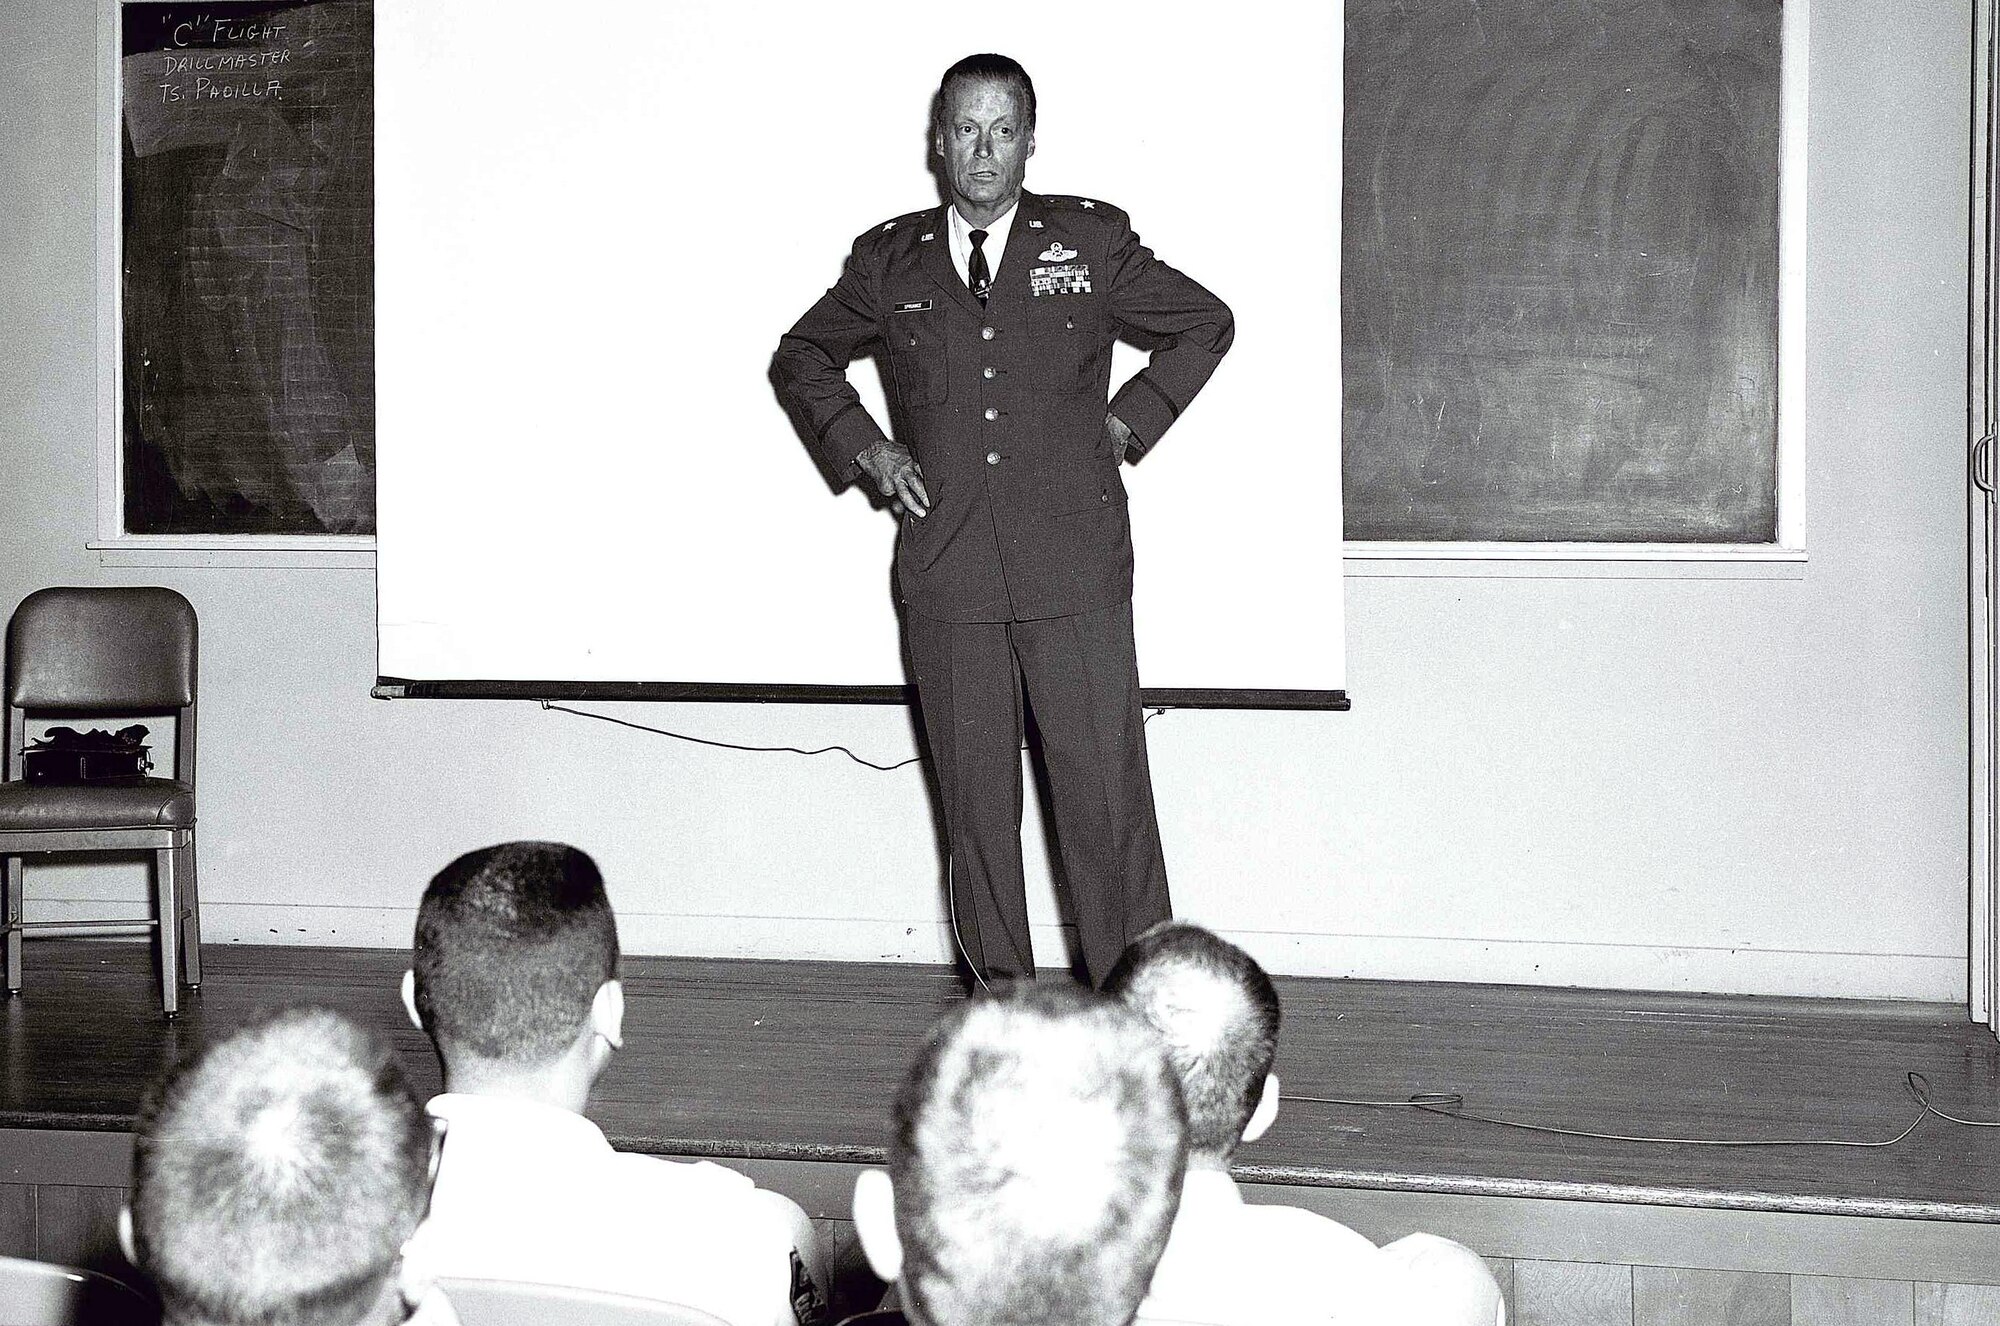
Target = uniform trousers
(1082,678)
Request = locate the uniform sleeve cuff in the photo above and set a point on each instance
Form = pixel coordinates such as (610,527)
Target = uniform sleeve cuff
(850,433)
(1146,410)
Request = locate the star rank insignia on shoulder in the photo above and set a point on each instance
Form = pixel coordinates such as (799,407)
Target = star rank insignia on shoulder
(1096,205)
(896,223)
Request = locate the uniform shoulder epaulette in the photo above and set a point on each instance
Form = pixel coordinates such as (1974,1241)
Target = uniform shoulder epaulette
(886,228)
(1070,202)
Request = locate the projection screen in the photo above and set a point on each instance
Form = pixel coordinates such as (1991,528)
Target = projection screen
(594,225)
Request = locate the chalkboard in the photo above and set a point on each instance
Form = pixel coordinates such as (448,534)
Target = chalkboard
(1560,270)
(247,223)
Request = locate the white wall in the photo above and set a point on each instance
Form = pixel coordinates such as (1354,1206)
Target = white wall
(1707,784)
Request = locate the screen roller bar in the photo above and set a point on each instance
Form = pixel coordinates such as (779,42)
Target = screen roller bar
(404,688)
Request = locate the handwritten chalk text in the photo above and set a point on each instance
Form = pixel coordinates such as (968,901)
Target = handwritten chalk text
(211,31)
(225,61)
(210,89)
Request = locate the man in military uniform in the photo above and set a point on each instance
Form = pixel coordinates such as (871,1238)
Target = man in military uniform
(997,312)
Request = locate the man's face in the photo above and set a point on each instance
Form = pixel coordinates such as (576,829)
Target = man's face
(985,142)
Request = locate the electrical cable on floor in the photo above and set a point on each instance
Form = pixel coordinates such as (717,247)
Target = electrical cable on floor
(1451,1104)
(951,902)
(756,750)
(951,870)
(728,745)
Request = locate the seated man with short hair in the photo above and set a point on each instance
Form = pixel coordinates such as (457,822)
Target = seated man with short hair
(1234,1264)
(515,977)
(1034,1169)
(276,1177)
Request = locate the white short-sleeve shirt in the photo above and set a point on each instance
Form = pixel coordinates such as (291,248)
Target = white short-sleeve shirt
(535,1193)
(1232,1263)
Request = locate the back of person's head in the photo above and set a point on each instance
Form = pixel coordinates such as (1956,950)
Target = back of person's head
(277,1175)
(513,943)
(1218,1014)
(1036,1164)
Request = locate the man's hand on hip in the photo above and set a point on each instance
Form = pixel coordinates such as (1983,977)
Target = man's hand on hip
(1117,437)
(896,477)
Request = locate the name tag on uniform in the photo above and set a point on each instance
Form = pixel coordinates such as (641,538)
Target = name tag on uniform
(914,306)
(1069,278)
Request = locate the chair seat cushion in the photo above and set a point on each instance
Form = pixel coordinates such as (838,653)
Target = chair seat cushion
(116,803)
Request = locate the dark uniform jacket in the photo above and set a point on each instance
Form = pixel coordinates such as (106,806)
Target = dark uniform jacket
(1004,405)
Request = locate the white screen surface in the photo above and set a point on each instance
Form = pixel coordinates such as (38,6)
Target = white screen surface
(591,231)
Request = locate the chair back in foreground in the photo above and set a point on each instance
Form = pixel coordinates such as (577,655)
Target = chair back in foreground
(508,1303)
(129,652)
(41,1294)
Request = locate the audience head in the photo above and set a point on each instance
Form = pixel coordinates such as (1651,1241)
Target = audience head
(1218,1014)
(276,1177)
(516,961)
(1035,1167)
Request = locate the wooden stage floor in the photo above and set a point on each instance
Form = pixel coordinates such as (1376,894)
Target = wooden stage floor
(796,1061)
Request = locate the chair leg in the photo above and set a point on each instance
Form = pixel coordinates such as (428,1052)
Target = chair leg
(15,892)
(166,905)
(190,925)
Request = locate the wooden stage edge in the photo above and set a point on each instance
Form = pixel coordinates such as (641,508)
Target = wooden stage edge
(784,1070)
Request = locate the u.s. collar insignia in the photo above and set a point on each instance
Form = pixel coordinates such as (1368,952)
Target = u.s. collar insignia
(927,237)
(1056,253)
(1034,225)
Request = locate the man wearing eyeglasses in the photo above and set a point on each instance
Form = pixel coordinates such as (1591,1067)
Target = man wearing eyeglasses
(995,315)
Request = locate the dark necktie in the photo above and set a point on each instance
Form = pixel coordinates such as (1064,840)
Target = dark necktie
(976,274)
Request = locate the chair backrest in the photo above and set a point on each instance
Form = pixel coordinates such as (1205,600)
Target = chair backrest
(41,1294)
(129,648)
(124,649)
(507,1303)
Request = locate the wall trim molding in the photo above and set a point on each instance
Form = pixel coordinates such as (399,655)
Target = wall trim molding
(1930,977)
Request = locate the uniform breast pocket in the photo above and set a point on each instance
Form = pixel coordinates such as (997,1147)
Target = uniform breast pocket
(917,359)
(1072,347)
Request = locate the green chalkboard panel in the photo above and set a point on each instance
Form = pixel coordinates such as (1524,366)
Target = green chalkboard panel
(1560,270)
(247,238)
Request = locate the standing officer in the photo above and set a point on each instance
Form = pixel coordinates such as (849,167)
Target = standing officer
(998,312)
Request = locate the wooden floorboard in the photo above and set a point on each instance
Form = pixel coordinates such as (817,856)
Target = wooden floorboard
(797,1060)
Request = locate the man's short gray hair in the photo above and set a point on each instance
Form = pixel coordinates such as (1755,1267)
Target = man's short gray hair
(1218,1014)
(1039,1148)
(277,1175)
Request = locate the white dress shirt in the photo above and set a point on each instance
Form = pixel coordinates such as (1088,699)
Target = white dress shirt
(1231,1263)
(993,247)
(530,1192)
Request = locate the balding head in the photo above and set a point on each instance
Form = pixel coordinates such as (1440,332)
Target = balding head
(277,1175)
(1218,1014)
(1037,1161)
